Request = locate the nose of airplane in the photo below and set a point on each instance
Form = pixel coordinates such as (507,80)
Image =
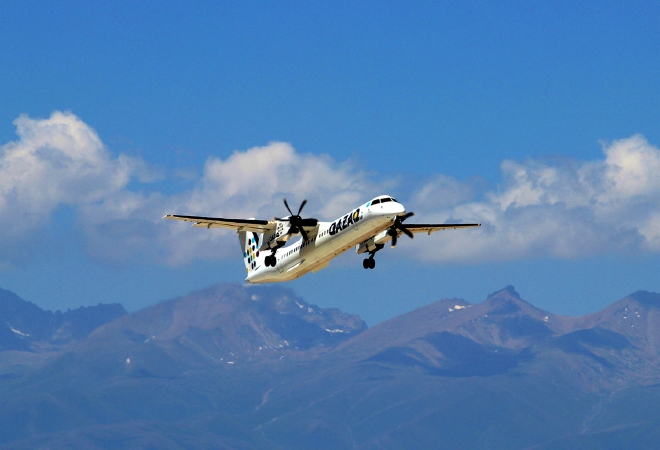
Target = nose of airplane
(399,209)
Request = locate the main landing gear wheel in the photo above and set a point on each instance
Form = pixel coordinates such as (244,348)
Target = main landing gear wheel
(369,263)
(270,261)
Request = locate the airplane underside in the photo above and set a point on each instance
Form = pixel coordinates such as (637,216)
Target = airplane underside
(320,257)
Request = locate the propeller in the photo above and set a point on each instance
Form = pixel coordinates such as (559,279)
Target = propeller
(396,227)
(297,222)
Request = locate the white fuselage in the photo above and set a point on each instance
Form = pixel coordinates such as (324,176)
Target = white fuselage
(330,240)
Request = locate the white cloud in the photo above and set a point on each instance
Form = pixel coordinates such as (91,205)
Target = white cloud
(565,210)
(61,161)
(56,161)
(246,184)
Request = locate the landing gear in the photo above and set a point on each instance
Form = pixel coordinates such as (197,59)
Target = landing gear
(270,261)
(370,262)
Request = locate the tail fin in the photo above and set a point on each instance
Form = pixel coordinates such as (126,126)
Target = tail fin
(250,245)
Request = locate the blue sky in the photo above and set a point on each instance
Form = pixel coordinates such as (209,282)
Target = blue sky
(538,118)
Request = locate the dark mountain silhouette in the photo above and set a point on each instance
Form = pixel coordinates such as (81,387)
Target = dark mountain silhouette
(25,326)
(257,367)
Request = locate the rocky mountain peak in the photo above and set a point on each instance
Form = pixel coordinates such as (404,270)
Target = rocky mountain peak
(650,299)
(228,324)
(507,301)
(508,291)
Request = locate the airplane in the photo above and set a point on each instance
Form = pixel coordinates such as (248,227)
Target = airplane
(368,227)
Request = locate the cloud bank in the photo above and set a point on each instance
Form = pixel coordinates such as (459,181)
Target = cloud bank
(61,161)
(569,210)
(563,210)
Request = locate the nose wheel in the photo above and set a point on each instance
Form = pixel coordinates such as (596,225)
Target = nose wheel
(370,262)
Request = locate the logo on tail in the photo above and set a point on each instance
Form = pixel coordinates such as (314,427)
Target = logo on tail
(250,245)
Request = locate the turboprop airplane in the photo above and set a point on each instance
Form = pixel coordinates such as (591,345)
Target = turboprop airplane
(368,227)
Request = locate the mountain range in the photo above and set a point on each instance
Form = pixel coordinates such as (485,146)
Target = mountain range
(258,367)
(25,326)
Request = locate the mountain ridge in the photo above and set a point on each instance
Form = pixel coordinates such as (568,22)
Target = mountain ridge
(258,367)
(27,327)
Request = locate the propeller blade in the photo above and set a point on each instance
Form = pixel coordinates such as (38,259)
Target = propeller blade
(302,205)
(287,206)
(410,214)
(406,231)
(394,239)
(296,222)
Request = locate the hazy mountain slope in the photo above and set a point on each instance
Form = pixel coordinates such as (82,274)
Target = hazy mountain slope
(227,324)
(257,367)
(449,377)
(212,431)
(25,326)
(503,319)
(436,375)
(188,356)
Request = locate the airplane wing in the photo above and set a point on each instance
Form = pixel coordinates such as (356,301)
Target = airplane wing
(254,225)
(433,227)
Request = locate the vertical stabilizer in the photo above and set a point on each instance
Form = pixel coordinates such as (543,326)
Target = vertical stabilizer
(250,246)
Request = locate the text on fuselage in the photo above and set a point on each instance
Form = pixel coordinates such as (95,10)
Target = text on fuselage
(344,222)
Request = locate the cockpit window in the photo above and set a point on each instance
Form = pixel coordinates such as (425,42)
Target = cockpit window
(375,202)
(386,199)
(394,200)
